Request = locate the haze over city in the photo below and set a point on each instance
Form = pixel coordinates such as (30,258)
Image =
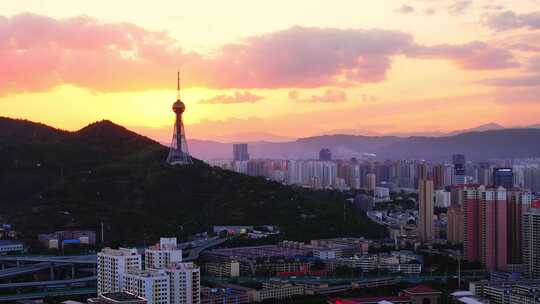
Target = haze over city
(273,71)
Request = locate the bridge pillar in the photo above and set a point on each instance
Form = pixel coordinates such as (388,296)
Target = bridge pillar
(73,271)
(51,274)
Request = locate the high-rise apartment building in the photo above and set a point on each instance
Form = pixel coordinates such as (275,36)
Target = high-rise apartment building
(165,280)
(112,265)
(240,152)
(459,169)
(438,177)
(425,214)
(421,173)
(443,198)
(185,283)
(485,223)
(531,242)
(325,155)
(518,202)
(163,254)
(153,285)
(371,181)
(454,232)
(503,177)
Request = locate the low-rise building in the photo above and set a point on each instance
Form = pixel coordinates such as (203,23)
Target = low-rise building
(416,295)
(364,263)
(422,294)
(277,290)
(9,246)
(227,295)
(58,239)
(228,269)
(506,291)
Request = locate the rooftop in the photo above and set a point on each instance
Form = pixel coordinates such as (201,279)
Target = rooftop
(470,300)
(147,273)
(421,289)
(9,242)
(366,300)
(119,252)
(121,296)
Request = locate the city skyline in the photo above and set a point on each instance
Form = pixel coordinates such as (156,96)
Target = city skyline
(345,67)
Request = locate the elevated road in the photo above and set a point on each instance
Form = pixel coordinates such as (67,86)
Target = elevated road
(195,252)
(71,259)
(48,283)
(44,294)
(16,271)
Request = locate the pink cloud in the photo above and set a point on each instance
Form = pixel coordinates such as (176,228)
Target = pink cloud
(404,9)
(329,96)
(473,56)
(237,97)
(509,20)
(38,53)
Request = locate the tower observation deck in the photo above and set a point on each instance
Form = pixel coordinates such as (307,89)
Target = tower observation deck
(178,153)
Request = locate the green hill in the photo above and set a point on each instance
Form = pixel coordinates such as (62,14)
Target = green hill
(56,180)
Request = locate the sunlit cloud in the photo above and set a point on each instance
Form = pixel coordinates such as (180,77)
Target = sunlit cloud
(237,97)
(404,9)
(459,7)
(39,53)
(329,96)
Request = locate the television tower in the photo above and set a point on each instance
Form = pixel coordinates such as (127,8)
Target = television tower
(178,153)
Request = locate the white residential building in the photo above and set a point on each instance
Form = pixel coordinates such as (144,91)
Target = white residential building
(185,283)
(153,285)
(326,253)
(381,193)
(163,254)
(442,199)
(112,265)
(10,246)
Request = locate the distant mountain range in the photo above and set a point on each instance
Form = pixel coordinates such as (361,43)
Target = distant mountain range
(480,143)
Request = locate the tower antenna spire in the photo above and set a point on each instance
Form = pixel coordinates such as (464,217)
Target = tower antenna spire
(178,86)
(178,153)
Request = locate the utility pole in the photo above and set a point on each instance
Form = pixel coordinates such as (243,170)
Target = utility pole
(344,211)
(459,270)
(102,235)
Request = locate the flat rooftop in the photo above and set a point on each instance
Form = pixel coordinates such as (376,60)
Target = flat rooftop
(121,296)
(9,242)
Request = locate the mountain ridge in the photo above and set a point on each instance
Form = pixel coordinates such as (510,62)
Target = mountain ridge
(78,180)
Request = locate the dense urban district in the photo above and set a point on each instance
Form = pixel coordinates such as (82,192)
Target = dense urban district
(104,215)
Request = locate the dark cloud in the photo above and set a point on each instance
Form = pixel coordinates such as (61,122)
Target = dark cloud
(237,97)
(509,20)
(530,77)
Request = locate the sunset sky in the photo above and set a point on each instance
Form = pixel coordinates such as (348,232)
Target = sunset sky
(275,69)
